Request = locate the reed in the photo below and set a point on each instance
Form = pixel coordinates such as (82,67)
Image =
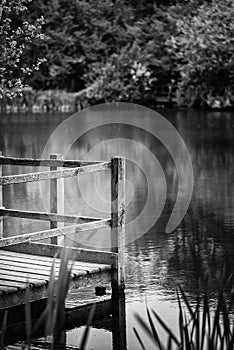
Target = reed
(200,326)
(45,101)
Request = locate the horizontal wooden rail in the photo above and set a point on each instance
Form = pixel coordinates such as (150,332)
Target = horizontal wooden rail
(76,254)
(63,231)
(44,162)
(35,215)
(56,174)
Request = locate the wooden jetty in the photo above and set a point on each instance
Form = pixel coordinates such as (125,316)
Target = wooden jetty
(25,261)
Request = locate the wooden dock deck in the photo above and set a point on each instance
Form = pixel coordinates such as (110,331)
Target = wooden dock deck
(25,262)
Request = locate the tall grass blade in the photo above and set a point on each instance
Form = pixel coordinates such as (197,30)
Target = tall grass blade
(169,343)
(225,314)
(50,300)
(166,328)
(215,322)
(146,328)
(61,293)
(139,338)
(87,328)
(181,319)
(185,299)
(186,334)
(153,329)
(28,319)
(41,321)
(3,330)
(197,323)
(205,315)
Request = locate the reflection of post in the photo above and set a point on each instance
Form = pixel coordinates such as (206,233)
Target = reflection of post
(56,199)
(119,324)
(118,223)
(1,202)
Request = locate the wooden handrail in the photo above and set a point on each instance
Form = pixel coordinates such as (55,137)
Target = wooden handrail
(36,236)
(45,162)
(47,175)
(73,168)
(76,254)
(36,215)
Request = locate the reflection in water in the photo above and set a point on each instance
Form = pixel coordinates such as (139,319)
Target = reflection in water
(156,262)
(106,315)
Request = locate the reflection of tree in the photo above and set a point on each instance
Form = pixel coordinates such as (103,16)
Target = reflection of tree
(156,262)
(204,239)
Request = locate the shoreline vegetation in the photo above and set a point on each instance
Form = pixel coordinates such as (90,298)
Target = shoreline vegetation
(64,57)
(61,101)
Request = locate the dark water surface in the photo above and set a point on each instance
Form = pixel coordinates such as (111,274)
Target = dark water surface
(156,262)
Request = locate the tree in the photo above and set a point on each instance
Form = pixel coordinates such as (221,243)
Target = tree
(203,48)
(16,32)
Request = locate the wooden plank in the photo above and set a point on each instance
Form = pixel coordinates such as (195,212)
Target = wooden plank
(75,254)
(42,275)
(1,202)
(46,260)
(48,175)
(18,285)
(36,265)
(37,268)
(34,215)
(118,221)
(17,266)
(16,298)
(39,277)
(21,279)
(7,289)
(27,260)
(26,269)
(27,237)
(56,199)
(44,162)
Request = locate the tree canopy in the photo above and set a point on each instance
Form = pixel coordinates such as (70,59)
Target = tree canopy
(120,50)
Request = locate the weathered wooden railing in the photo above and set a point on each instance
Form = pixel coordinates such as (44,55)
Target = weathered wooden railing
(56,216)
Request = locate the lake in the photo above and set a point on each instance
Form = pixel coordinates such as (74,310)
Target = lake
(156,262)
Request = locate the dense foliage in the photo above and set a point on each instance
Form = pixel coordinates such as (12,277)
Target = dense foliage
(16,32)
(134,50)
(203,48)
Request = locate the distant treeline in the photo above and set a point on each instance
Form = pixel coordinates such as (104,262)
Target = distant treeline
(127,50)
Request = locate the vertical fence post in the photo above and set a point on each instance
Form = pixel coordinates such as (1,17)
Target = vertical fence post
(56,200)
(119,340)
(118,222)
(1,202)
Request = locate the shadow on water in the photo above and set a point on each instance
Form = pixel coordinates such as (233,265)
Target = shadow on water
(109,315)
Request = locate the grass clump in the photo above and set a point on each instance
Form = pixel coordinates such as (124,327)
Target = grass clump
(201,327)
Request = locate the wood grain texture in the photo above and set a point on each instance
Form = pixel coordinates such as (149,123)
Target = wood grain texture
(1,202)
(18,270)
(118,221)
(27,237)
(16,275)
(34,215)
(48,175)
(56,200)
(44,162)
(75,254)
